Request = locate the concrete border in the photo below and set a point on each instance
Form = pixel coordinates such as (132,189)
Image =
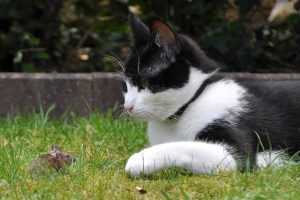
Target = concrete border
(255,76)
(30,92)
(80,93)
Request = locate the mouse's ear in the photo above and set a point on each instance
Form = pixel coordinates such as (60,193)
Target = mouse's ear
(141,33)
(54,151)
(55,147)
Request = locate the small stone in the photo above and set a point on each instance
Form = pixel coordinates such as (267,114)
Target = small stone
(141,190)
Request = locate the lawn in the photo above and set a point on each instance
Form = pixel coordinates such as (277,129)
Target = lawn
(102,145)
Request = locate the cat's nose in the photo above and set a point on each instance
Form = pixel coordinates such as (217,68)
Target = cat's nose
(128,108)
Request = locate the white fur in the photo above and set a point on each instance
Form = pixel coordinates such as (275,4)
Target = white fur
(270,158)
(218,101)
(200,157)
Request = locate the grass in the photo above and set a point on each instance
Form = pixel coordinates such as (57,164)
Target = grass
(102,145)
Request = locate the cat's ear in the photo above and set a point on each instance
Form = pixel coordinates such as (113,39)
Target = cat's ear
(164,36)
(141,33)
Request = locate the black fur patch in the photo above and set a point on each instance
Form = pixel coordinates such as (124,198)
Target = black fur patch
(175,75)
(202,87)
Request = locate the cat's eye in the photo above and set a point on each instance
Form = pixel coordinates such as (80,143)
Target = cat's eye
(144,83)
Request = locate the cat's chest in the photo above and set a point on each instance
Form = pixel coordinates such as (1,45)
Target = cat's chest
(221,101)
(159,133)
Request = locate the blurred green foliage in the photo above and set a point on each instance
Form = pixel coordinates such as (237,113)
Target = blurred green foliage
(81,36)
(62,36)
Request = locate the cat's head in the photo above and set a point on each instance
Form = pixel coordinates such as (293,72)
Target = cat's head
(163,72)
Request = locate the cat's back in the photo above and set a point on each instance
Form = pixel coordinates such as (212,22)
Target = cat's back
(277,92)
(276,97)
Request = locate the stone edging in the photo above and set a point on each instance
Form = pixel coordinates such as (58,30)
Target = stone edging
(79,93)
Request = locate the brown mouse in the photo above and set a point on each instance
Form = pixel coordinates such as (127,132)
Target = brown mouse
(52,162)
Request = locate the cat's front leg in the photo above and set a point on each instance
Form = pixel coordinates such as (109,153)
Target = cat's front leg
(200,157)
(144,162)
(150,160)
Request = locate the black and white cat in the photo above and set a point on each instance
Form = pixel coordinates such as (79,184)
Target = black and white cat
(197,119)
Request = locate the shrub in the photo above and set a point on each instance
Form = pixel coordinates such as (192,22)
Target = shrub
(77,35)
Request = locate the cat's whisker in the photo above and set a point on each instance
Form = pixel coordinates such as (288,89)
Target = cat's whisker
(146,111)
(121,76)
(162,105)
(154,110)
(124,114)
(121,112)
(138,66)
(166,104)
(158,111)
(115,56)
(117,61)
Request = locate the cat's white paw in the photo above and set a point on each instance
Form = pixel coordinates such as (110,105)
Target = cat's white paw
(140,164)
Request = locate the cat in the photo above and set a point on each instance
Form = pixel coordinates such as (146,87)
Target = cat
(198,119)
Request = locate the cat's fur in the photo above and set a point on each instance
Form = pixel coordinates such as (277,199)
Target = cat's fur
(197,119)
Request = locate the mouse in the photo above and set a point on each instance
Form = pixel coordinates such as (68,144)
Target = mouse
(52,162)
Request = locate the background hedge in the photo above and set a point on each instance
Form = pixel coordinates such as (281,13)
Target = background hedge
(83,35)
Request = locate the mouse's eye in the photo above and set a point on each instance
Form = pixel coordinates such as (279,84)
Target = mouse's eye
(144,83)
(68,156)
